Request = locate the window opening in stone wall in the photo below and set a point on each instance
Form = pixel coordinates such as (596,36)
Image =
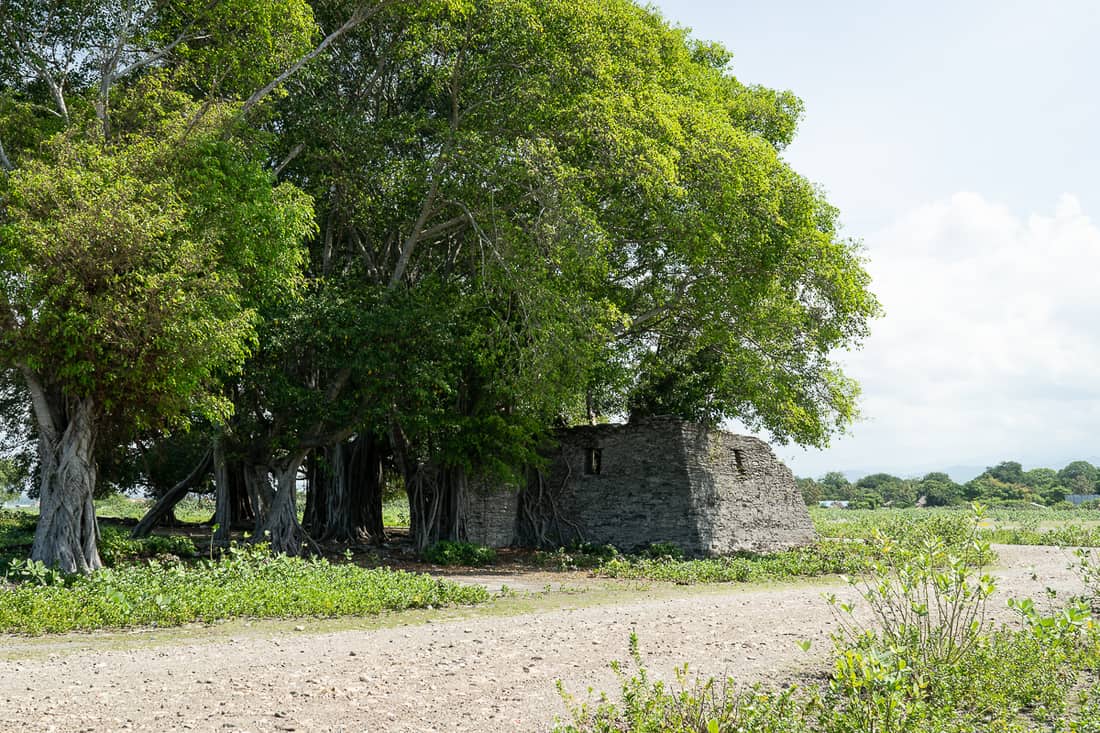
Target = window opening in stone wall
(739,459)
(593,461)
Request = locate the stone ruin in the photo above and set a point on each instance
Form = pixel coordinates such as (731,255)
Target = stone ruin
(656,480)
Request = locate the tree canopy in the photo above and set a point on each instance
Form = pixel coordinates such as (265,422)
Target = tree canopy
(458,226)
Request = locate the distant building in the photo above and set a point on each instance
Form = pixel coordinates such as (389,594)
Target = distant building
(1078,499)
(833,504)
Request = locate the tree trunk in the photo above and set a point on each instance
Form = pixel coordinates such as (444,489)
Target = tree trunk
(235,496)
(279,526)
(437,504)
(67,531)
(314,518)
(165,506)
(352,493)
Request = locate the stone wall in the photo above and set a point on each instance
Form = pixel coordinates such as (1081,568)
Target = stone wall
(491,514)
(664,480)
(745,497)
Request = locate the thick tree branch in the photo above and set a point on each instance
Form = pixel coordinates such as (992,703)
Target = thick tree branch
(445,228)
(294,153)
(5,163)
(415,233)
(173,497)
(44,414)
(637,324)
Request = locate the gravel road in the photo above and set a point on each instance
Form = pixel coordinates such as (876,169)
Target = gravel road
(487,669)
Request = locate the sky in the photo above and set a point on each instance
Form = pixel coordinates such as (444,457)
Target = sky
(961,142)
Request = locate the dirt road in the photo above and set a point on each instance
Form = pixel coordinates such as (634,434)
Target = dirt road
(487,669)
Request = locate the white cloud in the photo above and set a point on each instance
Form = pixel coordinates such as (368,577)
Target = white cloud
(990,347)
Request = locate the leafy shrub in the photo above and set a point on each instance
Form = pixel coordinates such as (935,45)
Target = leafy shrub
(577,556)
(661,550)
(116,546)
(245,582)
(928,605)
(460,553)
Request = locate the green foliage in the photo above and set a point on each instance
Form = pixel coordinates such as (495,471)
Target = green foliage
(129,291)
(663,551)
(1077,527)
(812,492)
(577,556)
(16,535)
(395,512)
(824,558)
(927,604)
(710,706)
(1003,485)
(116,547)
(246,582)
(447,552)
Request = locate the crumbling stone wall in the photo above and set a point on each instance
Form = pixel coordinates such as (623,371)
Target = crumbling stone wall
(745,497)
(663,480)
(491,514)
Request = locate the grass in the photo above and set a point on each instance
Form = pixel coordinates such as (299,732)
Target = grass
(823,558)
(194,509)
(850,549)
(1061,527)
(246,582)
(395,512)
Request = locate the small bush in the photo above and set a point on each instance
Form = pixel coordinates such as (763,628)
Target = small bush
(577,556)
(926,659)
(710,706)
(460,553)
(662,550)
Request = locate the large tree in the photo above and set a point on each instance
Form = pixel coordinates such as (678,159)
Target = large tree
(135,223)
(607,210)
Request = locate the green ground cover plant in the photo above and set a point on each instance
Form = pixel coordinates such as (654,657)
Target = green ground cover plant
(117,547)
(828,557)
(246,582)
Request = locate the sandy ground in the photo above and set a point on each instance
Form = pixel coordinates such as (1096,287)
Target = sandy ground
(486,669)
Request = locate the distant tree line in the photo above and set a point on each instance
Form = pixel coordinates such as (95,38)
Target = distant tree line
(1006,482)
